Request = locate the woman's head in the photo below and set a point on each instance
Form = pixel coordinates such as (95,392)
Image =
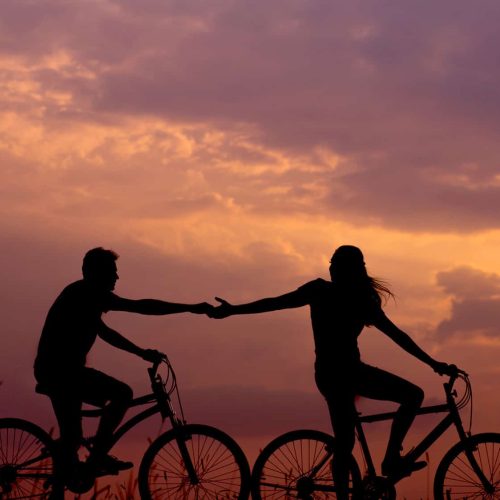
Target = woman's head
(347,268)
(348,264)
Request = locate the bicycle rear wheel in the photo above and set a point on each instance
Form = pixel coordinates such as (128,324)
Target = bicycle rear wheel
(219,468)
(26,460)
(298,464)
(455,476)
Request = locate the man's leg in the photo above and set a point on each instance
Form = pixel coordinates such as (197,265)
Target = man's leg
(67,408)
(114,397)
(379,384)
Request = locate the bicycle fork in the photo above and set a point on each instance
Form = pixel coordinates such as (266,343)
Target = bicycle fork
(186,457)
(469,451)
(167,411)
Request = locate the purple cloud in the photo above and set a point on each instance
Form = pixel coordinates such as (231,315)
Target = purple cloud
(475,306)
(408,97)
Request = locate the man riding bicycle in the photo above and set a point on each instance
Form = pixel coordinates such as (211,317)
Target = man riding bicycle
(70,330)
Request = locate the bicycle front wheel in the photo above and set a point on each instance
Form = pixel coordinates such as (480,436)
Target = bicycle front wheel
(192,462)
(456,477)
(26,460)
(298,464)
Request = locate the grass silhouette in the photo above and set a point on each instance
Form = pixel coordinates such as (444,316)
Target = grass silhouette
(126,490)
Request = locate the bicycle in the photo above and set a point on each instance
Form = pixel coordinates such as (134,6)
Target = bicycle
(298,464)
(189,461)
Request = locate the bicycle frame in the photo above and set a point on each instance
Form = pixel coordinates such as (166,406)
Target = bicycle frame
(301,462)
(159,396)
(452,418)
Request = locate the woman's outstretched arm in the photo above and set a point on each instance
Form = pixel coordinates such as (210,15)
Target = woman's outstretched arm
(286,301)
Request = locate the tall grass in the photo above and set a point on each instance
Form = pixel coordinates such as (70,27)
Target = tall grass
(127,490)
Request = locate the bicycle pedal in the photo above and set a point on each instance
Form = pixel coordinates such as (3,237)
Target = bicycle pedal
(80,483)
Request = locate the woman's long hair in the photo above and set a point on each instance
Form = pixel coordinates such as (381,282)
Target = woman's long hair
(348,270)
(381,288)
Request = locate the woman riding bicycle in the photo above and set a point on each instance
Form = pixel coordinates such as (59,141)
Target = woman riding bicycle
(340,309)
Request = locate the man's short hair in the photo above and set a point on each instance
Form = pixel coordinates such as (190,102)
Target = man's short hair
(97,260)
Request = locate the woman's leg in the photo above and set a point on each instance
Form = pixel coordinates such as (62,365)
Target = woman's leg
(375,383)
(339,396)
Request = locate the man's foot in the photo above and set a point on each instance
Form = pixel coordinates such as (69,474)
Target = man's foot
(107,464)
(401,466)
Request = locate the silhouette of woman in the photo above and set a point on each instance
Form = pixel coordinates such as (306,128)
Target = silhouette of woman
(340,309)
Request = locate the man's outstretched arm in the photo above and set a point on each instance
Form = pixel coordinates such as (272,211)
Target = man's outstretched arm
(158,307)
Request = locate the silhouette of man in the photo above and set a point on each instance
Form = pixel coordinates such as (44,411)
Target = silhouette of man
(340,309)
(71,327)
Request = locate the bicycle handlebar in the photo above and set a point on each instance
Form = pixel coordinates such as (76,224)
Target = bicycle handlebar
(153,370)
(167,385)
(457,373)
(464,399)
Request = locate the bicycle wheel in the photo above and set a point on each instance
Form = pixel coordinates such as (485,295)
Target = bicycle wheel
(219,466)
(26,460)
(455,477)
(298,464)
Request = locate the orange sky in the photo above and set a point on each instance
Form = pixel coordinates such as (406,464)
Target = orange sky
(226,148)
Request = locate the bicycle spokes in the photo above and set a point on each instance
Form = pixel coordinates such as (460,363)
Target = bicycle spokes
(26,464)
(298,465)
(460,478)
(194,462)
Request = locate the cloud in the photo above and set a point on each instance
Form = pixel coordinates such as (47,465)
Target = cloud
(419,198)
(466,283)
(475,304)
(406,98)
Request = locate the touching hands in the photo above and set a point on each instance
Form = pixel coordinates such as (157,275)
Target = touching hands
(223,311)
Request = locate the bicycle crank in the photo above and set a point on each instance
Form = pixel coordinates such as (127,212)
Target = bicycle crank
(378,488)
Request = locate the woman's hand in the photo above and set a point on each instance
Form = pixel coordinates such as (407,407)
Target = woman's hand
(445,369)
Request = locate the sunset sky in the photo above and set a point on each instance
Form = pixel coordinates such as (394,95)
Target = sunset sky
(227,147)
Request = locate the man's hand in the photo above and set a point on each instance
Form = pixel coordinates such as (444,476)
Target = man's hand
(202,308)
(445,369)
(222,311)
(152,355)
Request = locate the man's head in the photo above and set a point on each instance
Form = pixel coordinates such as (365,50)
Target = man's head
(99,268)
